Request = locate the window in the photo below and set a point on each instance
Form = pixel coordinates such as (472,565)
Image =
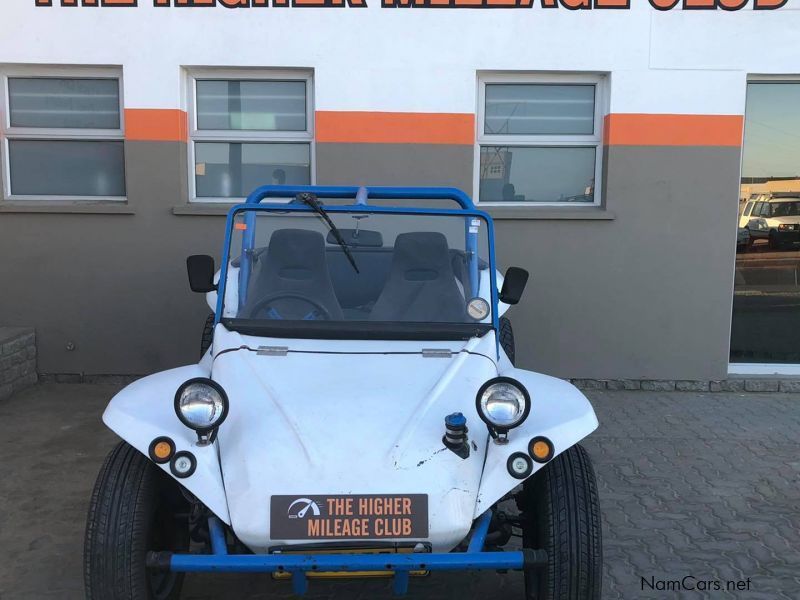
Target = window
(249,129)
(539,139)
(766,284)
(63,135)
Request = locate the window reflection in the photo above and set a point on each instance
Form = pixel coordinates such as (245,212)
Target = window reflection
(766,303)
(547,174)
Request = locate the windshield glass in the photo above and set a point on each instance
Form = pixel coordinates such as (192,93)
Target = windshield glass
(291,272)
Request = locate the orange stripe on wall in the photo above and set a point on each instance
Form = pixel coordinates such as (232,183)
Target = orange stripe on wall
(621,129)
(156,125)
(673,130)
(395,127)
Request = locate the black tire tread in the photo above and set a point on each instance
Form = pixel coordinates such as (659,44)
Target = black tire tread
(507,339)
(120,510)
(562,500)
(208,335)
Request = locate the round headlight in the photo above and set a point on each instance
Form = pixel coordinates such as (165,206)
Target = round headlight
(201,404)
(503,403)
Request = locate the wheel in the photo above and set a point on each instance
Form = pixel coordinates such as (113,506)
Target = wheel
(774,244)
(135,508)
(208,335)
(507,338)
(561,514)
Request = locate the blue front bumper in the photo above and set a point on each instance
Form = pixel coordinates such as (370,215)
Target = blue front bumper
(299,564)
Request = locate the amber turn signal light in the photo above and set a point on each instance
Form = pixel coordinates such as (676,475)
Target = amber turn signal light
(161,450)
(541,449)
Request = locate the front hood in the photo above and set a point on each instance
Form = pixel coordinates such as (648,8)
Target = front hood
(349,417)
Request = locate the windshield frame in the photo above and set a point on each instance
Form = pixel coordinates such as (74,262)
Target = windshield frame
(345,330)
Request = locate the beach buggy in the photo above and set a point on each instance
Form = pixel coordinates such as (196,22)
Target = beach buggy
(356,412)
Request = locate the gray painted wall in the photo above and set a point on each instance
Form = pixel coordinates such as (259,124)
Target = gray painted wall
(645,295)
(114,285)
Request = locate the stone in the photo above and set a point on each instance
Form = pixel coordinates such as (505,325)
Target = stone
(691,386)
(589,384)
(623,384)
(29,366)
(761,385)
(727,385)
(10,360)
(791,386)
(9,374)
(19,343)
(12,333)
(658,385)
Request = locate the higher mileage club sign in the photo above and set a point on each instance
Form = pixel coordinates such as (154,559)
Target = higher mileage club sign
(349,517)
(728,5)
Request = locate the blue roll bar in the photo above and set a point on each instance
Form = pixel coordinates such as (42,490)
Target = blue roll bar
(475,558)
(361,194)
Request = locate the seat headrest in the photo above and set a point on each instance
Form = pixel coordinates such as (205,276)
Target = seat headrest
(294,245)
(424,255)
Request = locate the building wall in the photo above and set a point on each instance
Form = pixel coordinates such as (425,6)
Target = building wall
(638,287)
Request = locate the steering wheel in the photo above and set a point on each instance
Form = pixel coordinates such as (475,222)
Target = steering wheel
(322,313)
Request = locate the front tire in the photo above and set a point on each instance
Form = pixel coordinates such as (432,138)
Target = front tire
(134,509)
(561,514)
(208,335)
(507,339)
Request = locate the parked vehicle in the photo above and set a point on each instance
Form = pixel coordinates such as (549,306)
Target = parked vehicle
(752,221)
(775,218)
(743,241)
(356,411)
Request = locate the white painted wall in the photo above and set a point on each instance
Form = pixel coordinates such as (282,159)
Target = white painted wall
(419,60)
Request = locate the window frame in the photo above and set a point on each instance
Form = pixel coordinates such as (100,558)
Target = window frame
(9,133)
(595,140)
(193,75)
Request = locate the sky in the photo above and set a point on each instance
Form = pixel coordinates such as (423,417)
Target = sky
(772,130)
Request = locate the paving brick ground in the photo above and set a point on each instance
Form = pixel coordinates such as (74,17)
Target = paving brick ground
(705,486)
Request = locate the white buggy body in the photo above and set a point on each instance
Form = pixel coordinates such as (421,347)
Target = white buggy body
(343,428)
(344,417)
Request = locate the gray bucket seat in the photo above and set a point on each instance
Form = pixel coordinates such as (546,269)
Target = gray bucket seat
(422,285)
(291,280)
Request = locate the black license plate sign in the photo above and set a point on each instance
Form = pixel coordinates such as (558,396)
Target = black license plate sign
(352,517)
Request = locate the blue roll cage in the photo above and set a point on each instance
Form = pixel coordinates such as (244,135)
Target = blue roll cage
(360,195)
(400,565)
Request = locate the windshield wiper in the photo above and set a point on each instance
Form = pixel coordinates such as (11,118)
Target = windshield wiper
(310,199)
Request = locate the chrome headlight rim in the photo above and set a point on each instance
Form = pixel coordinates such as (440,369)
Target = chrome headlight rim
(212,384)
(485,418)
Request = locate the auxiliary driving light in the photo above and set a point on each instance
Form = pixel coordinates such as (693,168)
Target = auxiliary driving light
(519,465)
(201,404)
(541,449)
(503,404)
(183,464)
(161,450)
